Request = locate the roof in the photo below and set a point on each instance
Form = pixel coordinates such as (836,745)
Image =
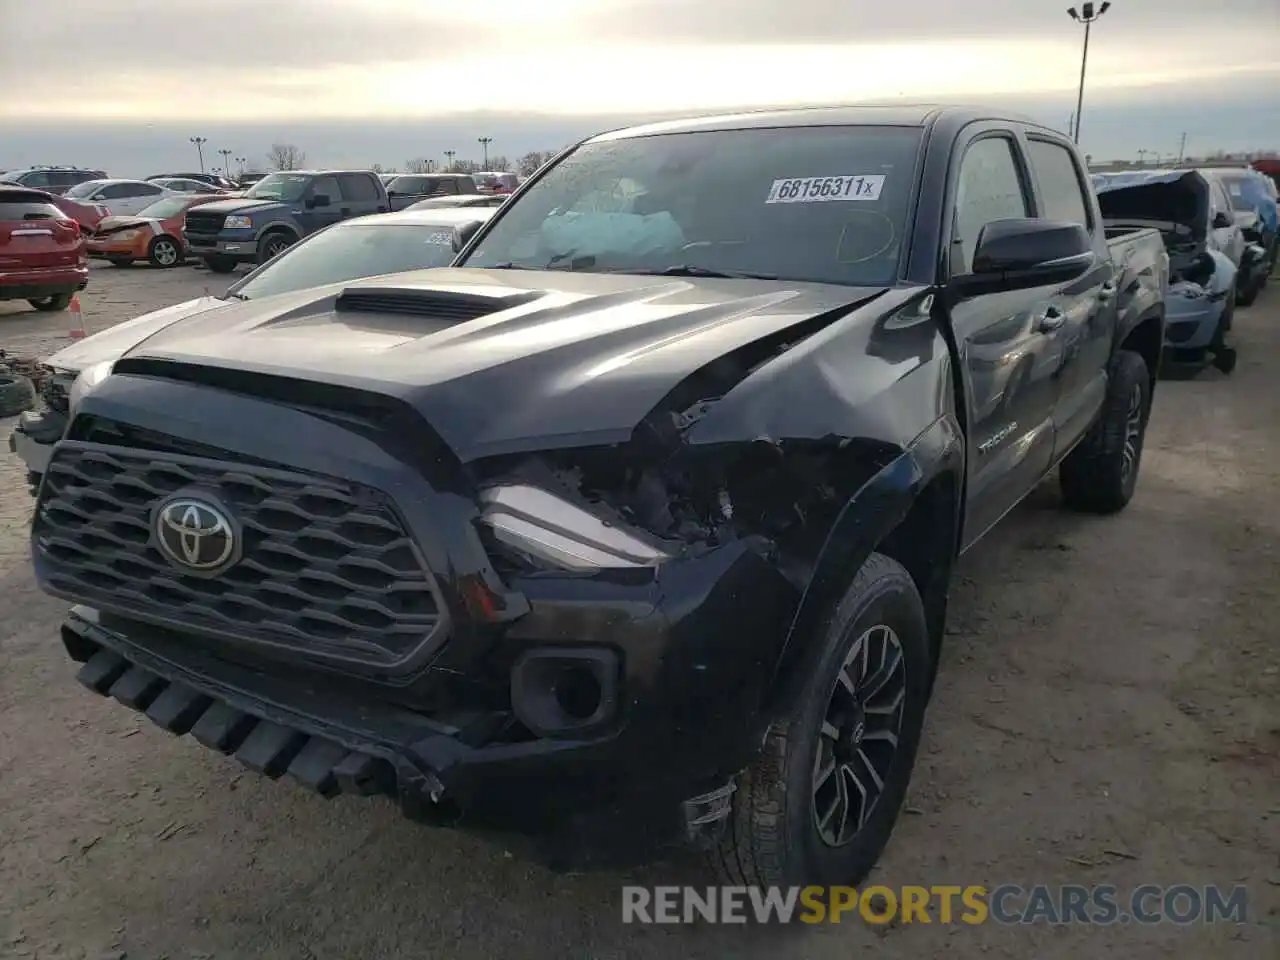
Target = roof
(441,217)
(883,115)
(109,180)
(313,173)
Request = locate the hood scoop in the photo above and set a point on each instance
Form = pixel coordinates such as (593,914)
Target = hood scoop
(435,304)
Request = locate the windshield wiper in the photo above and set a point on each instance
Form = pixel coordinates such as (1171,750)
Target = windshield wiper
(689,270)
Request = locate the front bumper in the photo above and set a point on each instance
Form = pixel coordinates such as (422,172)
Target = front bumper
(620,796)
(231,249)
(1192,322)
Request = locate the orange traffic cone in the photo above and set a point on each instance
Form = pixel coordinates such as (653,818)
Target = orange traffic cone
(77,319)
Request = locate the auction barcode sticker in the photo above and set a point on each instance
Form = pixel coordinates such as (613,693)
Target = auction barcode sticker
(823,189)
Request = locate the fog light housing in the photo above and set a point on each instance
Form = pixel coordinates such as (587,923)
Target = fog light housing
(565,691)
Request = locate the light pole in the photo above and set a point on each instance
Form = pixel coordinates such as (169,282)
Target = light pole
(200,142)
(242,161)
(226,161)
(1087,14)
(449,155)
(484,144)
(1182,149)
(1142,156)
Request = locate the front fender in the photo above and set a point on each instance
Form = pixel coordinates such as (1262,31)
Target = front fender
(277,225)
(935,461)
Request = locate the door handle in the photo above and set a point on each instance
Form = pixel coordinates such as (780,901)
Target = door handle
(1051,319)
(1107,291)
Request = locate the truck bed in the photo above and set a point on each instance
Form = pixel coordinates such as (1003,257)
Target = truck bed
(1142,263)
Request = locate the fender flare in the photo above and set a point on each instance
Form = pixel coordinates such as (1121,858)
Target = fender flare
(275,226)
(866,520)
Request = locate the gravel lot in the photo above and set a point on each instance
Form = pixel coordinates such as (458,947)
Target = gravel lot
(1106,713)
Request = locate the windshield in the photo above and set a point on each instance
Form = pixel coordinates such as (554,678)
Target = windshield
(286,187)
(163,209)
(349,252)
(823,204)
(83,189)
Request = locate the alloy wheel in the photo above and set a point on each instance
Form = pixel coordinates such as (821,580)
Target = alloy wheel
(858,741)
(1132,432)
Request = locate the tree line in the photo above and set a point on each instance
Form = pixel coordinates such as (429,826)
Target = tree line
(287,156)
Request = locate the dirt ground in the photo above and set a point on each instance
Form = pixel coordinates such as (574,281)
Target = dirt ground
(1108,711)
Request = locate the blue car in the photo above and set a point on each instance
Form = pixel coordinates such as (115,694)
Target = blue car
(1201,244)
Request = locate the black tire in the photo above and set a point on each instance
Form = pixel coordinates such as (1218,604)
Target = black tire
(1246,297)
(274,244)
(220,264)
(1100,475)
(59,301)
(120,261)
(16,394)
(165,252)
(773,835)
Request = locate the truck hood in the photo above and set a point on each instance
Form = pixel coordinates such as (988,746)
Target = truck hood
(238,205)
(530,360)
(112,344)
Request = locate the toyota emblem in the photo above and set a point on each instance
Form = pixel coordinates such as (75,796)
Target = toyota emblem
(196,535)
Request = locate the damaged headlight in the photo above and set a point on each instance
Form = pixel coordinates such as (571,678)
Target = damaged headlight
(546,527)
(89,378)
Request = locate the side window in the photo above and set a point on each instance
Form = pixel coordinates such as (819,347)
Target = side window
(990,188)
(357,186)
(1061,190)
(144,190)
(39,178)
(115,191)
(327,186)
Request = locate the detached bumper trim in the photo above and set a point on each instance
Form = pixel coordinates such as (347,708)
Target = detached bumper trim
(33,453)
(264,746)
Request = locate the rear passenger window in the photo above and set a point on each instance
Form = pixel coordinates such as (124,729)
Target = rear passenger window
(990,188)
(144,190)
(37,179)
(1061,191)
(358,187)
(327,186)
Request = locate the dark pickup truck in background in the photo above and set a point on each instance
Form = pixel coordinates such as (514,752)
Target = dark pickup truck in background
(408,188)
(277,211)
(636,527)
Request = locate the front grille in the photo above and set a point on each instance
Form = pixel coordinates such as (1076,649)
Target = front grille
(204,223)
(327,567)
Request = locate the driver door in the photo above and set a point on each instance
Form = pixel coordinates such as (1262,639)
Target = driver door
(315,218)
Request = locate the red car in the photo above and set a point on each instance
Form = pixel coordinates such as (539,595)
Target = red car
(43,258)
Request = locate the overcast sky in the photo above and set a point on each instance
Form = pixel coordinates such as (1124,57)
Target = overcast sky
(123,83)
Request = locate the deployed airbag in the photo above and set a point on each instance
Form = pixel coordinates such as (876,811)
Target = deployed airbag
(610,234)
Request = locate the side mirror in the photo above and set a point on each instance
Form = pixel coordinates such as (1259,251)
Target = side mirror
(1019,254)
(1221,221)
(463,234)
(318,200)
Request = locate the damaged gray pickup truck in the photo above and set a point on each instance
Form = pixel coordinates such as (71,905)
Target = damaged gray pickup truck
(633,529)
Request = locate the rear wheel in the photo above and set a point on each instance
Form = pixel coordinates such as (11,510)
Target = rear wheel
(220,264)
(164,252)
(1100,475)
(820,803)
(59,301)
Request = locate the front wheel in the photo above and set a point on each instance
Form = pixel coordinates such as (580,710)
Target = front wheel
(164,252)
(820,803)
(1100,475)
(272,245)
